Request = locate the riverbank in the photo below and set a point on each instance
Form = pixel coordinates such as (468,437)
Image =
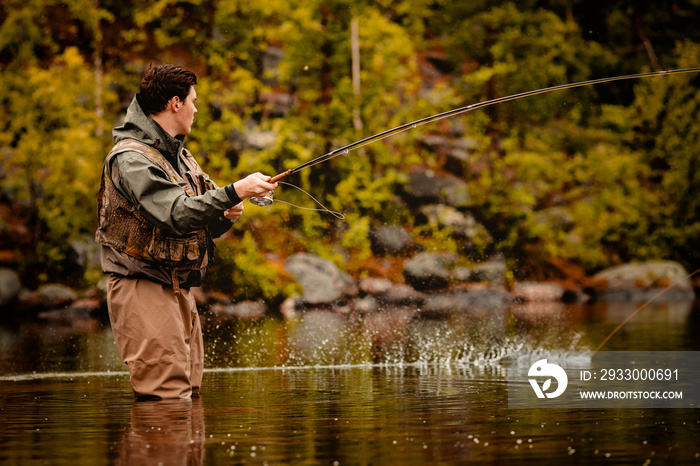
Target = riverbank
(432,287)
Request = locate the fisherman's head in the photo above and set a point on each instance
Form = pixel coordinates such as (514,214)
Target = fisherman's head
(169,90)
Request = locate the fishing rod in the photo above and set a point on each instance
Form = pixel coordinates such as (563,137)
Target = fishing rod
(267,200)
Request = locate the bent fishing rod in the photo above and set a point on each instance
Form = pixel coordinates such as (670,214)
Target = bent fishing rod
(267,200)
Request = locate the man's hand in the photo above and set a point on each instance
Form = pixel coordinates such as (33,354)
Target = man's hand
(256,184)
(235,212)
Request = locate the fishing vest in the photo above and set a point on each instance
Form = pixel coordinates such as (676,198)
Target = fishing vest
(124,229)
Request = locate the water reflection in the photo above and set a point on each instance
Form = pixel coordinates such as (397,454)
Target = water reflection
(397,335)
(423,391)
(168,432)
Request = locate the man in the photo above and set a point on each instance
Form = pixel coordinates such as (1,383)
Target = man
(158,213)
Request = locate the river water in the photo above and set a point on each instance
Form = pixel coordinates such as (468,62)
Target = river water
(325,388)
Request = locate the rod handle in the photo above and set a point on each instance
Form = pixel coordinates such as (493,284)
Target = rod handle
(276,178)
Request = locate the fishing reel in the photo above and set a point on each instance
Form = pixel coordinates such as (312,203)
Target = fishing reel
(262,201)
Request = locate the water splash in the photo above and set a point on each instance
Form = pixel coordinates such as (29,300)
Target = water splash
(392,337)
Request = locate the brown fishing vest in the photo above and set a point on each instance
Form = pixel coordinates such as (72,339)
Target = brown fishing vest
(124,229)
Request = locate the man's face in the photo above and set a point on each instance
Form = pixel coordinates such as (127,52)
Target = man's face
(185,113)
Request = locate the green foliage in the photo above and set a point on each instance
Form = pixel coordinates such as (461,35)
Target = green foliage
(592,175)
(666,129)
(51,152)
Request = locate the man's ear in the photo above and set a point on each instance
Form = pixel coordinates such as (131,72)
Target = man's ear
(175,103)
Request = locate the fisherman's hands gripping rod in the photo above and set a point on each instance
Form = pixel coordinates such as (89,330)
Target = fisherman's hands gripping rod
(267,200)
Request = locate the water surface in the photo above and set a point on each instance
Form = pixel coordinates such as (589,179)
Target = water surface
(339,389)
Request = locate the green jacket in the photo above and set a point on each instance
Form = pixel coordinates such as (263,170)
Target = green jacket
(159,200)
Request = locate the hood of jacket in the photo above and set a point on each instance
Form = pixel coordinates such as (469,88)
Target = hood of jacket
(137,125)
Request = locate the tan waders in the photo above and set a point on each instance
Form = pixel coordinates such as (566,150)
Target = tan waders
(158,334)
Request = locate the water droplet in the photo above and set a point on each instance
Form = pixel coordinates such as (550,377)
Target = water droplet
(413,126)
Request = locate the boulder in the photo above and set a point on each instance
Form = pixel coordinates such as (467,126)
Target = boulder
(462,225)
(85,253)
(322,281)
(375,286)
(643,281)
(56,295)
(10,287)
(247,310)
(288,308)
(31,302)
(532,292)
(391,240)
(426,187)
(401,294)
(426,272)
(492,272)
(366,305)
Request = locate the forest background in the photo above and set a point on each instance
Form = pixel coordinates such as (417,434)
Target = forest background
(560,185)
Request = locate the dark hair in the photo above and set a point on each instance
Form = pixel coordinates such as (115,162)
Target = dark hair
(161,83)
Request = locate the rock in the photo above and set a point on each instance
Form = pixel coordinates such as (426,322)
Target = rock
(277,104)
(260,140)
(426,272)
(55,295)
(641,282)
(366,305)
(31,301)
(427,187)
(323,282)
(456,150)
(85,253)
(248,310)
(403,295)
(10,287)
(288,308)
(80,309)
(375,286)
(461,274)
(64,315)
(531,292)
(492,272)
(89,305)
(391,240)
(463,226)
(446,216)
(217,297)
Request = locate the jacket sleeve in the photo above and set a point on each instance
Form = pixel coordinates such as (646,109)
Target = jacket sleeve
(165,203)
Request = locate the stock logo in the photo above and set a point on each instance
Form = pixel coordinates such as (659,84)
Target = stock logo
(542,369)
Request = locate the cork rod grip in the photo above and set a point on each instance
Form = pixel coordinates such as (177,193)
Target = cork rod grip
(276,178)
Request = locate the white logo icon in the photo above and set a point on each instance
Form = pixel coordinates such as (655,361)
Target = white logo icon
(542,369)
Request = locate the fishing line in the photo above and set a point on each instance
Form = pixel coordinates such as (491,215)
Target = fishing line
(323,208)
(640,308)
(267,200)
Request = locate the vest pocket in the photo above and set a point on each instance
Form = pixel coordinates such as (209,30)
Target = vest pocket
(176,251)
